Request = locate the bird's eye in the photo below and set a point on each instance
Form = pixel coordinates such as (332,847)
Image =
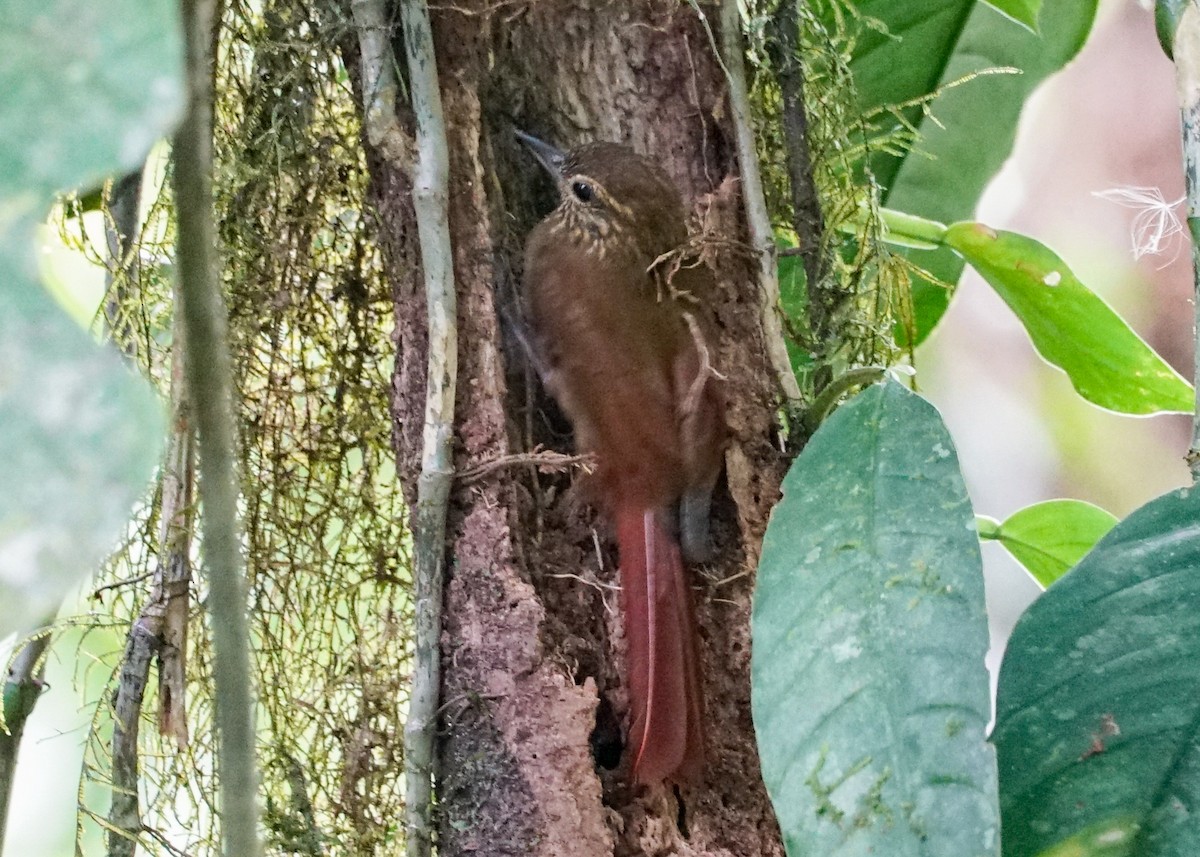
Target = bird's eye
(583,191)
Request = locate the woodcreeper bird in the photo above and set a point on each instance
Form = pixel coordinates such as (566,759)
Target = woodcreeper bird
(610,302)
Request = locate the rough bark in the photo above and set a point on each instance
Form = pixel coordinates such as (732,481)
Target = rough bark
(532,695)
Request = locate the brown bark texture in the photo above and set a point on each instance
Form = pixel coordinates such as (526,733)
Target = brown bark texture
(530,751)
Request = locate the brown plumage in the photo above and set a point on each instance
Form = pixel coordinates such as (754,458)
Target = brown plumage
(621,350)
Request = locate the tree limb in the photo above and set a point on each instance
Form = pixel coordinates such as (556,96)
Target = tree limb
(120,225)
(430,199)
(160,631)
(380,86)
(1187,75)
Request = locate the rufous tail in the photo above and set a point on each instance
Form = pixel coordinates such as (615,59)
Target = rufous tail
(666,737)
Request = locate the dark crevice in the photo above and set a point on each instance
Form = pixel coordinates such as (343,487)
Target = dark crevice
(606,737)
(681,818)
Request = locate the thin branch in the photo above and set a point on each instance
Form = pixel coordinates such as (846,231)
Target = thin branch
(124,814)
(170,595)
(208,369)
(758,219)
(807,219)
(121,584)
(430,198)
(161,627)
(380,86)
(544,460)
(160,630)
(1187,75)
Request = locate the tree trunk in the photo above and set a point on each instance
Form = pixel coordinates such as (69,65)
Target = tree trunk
(530,746)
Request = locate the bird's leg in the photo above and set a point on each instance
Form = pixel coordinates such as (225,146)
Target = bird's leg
(696,501)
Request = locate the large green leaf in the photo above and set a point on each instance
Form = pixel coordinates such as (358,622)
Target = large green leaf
(932,43)
(87,88)
(1070,325)
(869,693)
(1048,538)
(1098,714)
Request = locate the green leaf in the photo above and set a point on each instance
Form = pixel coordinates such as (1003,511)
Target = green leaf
(1098,713)
(1070,325)
(927,45)
(869,693)
(1024,12)
(88,87)
(1048,538)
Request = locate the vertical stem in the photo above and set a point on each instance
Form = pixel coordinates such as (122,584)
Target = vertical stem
(208,370)
(1187,71)
(807,220)
(758,220)
(21,690)
(160,629)
(430,200)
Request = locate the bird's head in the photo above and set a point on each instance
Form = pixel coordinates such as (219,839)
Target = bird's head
(609,195)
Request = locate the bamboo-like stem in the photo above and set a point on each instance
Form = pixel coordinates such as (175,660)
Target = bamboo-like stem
(1187,76)
(430,200)
(758,219)
(208,369)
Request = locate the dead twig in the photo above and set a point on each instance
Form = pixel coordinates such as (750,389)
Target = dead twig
(545,461)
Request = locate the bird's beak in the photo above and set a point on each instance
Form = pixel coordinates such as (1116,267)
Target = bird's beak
(549,157)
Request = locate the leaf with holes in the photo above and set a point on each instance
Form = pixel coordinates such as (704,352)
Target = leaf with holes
(1070,325)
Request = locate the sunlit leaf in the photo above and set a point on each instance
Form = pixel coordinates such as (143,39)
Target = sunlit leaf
(1070,325)
(1022,11)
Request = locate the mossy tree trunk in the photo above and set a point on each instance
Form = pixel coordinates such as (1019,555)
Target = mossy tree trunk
(529,747)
